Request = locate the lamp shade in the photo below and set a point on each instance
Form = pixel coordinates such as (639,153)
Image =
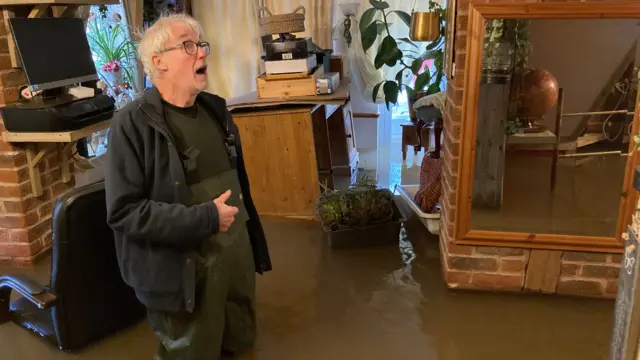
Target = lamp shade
(425,26)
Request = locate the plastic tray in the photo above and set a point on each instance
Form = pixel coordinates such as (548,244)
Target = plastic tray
(430,221)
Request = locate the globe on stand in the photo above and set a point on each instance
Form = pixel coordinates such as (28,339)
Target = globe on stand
(538,94)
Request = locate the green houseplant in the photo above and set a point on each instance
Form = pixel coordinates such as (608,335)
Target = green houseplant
(110,44)
(361,212)
(410,59)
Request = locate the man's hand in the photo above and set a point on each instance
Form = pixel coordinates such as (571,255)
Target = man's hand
(226,213)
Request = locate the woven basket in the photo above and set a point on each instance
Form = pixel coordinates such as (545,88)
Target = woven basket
(282,23)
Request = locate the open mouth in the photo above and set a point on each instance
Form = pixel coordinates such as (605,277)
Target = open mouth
(201,70)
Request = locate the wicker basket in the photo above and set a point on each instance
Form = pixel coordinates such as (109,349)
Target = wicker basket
(282,23)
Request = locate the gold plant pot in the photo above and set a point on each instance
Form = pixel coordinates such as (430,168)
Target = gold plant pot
(425,26)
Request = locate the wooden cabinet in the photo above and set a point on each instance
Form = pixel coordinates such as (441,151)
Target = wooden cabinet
(289,151)
(344,156)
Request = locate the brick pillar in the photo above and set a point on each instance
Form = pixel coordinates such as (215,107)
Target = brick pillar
(25,220)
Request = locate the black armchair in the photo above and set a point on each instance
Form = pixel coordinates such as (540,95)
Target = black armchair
(87,299)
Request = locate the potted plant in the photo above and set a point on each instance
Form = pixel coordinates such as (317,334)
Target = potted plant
(410,58)
(363,214)
(507,46)
(114,52)
(427,82)
(112,72)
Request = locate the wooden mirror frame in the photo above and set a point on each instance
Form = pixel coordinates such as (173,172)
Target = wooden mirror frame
(463,234)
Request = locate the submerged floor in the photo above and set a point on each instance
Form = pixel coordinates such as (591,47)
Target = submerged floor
(528,205)
(367,304)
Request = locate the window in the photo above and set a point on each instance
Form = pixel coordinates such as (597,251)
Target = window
(114,53)
(115,57)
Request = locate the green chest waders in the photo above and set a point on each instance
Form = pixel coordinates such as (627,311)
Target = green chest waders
(224,316)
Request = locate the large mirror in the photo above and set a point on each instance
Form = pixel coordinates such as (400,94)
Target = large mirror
(553,112)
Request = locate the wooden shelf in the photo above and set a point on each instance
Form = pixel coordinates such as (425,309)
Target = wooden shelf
(54,137)
(63,142)
(545,141)
(57,2)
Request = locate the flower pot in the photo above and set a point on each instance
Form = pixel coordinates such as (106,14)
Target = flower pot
(374,235)
(425,26)
(114,78)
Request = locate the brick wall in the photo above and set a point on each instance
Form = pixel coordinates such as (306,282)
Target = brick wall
(503,268)
(25,221)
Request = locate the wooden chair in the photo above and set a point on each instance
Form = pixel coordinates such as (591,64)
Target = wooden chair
(418,134)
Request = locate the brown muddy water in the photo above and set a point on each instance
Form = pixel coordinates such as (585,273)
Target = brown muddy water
(384,302)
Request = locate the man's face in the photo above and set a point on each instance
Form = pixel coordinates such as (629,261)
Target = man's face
(184,64)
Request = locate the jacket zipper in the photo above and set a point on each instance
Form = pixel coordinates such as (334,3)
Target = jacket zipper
(156,125)
(159,128)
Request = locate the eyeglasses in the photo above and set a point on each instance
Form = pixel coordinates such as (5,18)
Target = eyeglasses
(191,47)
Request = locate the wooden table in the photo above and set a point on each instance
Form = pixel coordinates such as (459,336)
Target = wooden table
(411,137)
(418,139)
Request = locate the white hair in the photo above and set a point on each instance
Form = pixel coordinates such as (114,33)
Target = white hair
(155,38)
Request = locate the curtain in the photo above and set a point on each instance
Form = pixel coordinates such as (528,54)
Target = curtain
(364,75)
(318,19)
(232,29)
(133,12)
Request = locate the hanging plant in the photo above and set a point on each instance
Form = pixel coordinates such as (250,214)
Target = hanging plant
(511,34)
(390,54)
(523,42)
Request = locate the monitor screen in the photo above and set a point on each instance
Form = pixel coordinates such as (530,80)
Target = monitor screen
(54,51)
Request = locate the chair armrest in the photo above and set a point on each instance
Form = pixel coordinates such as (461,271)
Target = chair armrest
(27,287)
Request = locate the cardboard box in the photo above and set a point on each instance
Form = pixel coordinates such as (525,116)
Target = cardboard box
(288,85)
(327,83)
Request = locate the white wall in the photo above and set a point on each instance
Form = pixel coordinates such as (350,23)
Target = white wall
(366,129)
(582,55)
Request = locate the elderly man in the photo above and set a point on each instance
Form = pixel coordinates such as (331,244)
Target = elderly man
(188,236)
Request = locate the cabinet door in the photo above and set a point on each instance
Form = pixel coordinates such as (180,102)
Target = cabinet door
(322,145)
(338,140)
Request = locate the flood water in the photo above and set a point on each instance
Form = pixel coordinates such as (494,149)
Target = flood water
(372,303)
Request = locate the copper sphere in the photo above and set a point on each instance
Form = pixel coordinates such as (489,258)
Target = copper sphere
(538,94)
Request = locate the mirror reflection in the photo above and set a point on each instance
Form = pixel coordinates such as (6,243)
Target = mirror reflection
(555,110)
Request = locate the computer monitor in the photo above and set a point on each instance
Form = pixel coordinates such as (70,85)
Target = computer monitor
(54,51)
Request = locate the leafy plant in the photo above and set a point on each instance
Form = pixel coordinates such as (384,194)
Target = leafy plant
(506,42)
(110,42)
(514,127)
(360,206)
(390,54)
